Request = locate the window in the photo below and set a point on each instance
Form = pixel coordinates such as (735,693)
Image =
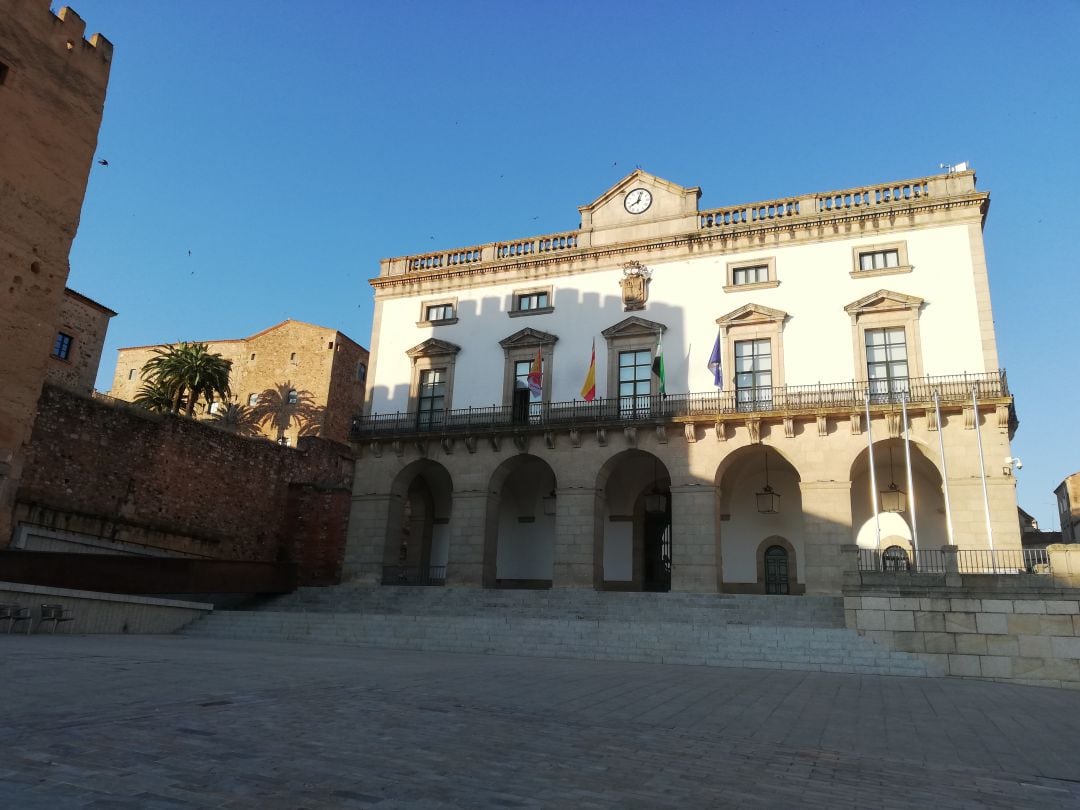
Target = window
(215,407)
(753,374)
(252,355)
(439,312)
(895,558)
(62,346)
(431,397)
(635,381)
(253,400)
(3,72)
(531,302)
(330,345)
(293,397)
(880,260)
(361,372)
(886,363)
(519,354)
(755,274)
(131,374)
(292,357)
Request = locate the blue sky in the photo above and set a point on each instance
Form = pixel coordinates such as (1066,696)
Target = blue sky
(288,146)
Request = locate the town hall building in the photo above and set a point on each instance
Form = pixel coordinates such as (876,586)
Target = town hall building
(667,398)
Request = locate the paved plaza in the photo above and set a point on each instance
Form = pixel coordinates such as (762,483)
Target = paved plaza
(173,722)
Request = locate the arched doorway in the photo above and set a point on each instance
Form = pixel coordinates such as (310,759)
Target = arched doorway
(759,502)
(417,537)
(634,532)
(895,503)
(519,542)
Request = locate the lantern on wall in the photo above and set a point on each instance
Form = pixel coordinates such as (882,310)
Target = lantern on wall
(768,502)
(893,499)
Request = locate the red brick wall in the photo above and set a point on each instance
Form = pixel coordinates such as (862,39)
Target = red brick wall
(116,471)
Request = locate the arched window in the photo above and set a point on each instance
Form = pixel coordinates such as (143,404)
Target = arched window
(292,399)
(895,558)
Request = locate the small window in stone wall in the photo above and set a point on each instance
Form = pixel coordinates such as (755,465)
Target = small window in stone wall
(253,399)
(361,372)
(62,346)
(252,355)
(292,357)
(330,345)
(131,374)
(3,72)
(292,398)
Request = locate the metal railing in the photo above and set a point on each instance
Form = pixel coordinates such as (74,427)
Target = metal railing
(414,575)
(968,561)
(629,410)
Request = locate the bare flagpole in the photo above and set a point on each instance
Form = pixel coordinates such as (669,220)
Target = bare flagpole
(982,470)
(910,480)
(873,474)
(944,470)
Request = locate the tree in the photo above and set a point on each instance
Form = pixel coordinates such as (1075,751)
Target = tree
(280,407)
(236,419)
(156,397)
(188,371)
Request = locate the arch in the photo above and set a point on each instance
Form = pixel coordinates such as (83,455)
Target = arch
(744,456)
(929,500)
(416,546)
(633,545)
(519,525)
(895,558)
(776,541)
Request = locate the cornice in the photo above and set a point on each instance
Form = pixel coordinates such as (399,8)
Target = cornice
(692,241)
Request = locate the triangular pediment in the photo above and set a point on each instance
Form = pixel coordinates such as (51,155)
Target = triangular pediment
(667,200)
(752,313)
(433,347)
(883,301)
(634,327)
(528,337)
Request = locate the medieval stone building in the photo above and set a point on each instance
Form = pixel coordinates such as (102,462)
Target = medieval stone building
(775,383)
(52,93)
(293,379)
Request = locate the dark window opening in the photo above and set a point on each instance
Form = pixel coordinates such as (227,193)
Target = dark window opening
(3,72)
(293,397)
(62,346)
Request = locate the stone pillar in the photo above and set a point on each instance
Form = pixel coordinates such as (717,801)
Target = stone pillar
(575,538)
(826,509)
(1065,564)
(467,561)
(951,562)
(693,539)
(365,540)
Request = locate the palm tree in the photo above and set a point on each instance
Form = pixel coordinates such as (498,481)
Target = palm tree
(280,407)
(156,397)
(188,370)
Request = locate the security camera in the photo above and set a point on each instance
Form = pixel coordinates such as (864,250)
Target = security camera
(1013,461)
(1019,464)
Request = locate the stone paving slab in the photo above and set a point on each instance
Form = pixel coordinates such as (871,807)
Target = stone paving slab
(179,722)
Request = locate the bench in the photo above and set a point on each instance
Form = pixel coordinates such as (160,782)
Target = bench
(55,614)
(13,614)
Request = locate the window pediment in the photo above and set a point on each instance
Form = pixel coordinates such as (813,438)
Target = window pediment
(752,314)
(433,347)
(528,337)
(634,327)
(884,301)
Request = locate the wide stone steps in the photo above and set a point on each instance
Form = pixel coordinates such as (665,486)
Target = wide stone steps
(455,624)
(711,609)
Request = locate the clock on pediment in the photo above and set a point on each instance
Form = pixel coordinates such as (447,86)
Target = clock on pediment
(637,200)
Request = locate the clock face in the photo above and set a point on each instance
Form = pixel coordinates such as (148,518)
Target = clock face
(638,201)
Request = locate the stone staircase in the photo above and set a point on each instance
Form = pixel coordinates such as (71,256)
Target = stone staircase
(768,632)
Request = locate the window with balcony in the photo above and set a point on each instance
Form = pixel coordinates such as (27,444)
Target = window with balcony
(635,382)
(431,397)
(531,302)
(753,374)
(886,363)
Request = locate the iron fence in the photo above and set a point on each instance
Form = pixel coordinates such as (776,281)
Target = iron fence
(968,561)
(652,408)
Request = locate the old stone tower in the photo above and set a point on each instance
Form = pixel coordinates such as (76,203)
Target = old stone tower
(52,93)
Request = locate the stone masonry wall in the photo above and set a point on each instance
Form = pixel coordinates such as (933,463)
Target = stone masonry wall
(1018,628)
(119,472)
(85,322)
(52,94)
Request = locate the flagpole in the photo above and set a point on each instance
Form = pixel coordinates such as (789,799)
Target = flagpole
(910,480)
(873,474)
(944,468)
(982,471)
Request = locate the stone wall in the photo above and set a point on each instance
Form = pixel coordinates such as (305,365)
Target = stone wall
(52,93)
(85,321)
(115,471)
(1020,628)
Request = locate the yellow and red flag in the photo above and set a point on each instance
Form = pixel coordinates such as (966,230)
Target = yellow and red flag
(536,373)
(588,390)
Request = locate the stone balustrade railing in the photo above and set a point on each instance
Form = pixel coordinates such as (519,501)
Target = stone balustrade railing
(865,198)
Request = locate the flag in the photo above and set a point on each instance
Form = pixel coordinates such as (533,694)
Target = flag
(588,390)
(658,363)
(536,374)
(714,365)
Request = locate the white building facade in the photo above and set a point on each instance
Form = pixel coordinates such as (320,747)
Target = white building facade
(800,338)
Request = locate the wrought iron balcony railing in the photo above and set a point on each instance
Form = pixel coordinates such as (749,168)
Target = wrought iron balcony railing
(849,396)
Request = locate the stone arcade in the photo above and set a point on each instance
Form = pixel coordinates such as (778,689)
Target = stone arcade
(837,324)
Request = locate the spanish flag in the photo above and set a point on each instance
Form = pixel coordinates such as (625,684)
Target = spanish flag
(536,374)
(588,390)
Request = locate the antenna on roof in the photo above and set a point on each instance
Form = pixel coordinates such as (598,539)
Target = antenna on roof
(953,168)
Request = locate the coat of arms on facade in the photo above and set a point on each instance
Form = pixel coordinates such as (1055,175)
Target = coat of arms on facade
(635,285)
